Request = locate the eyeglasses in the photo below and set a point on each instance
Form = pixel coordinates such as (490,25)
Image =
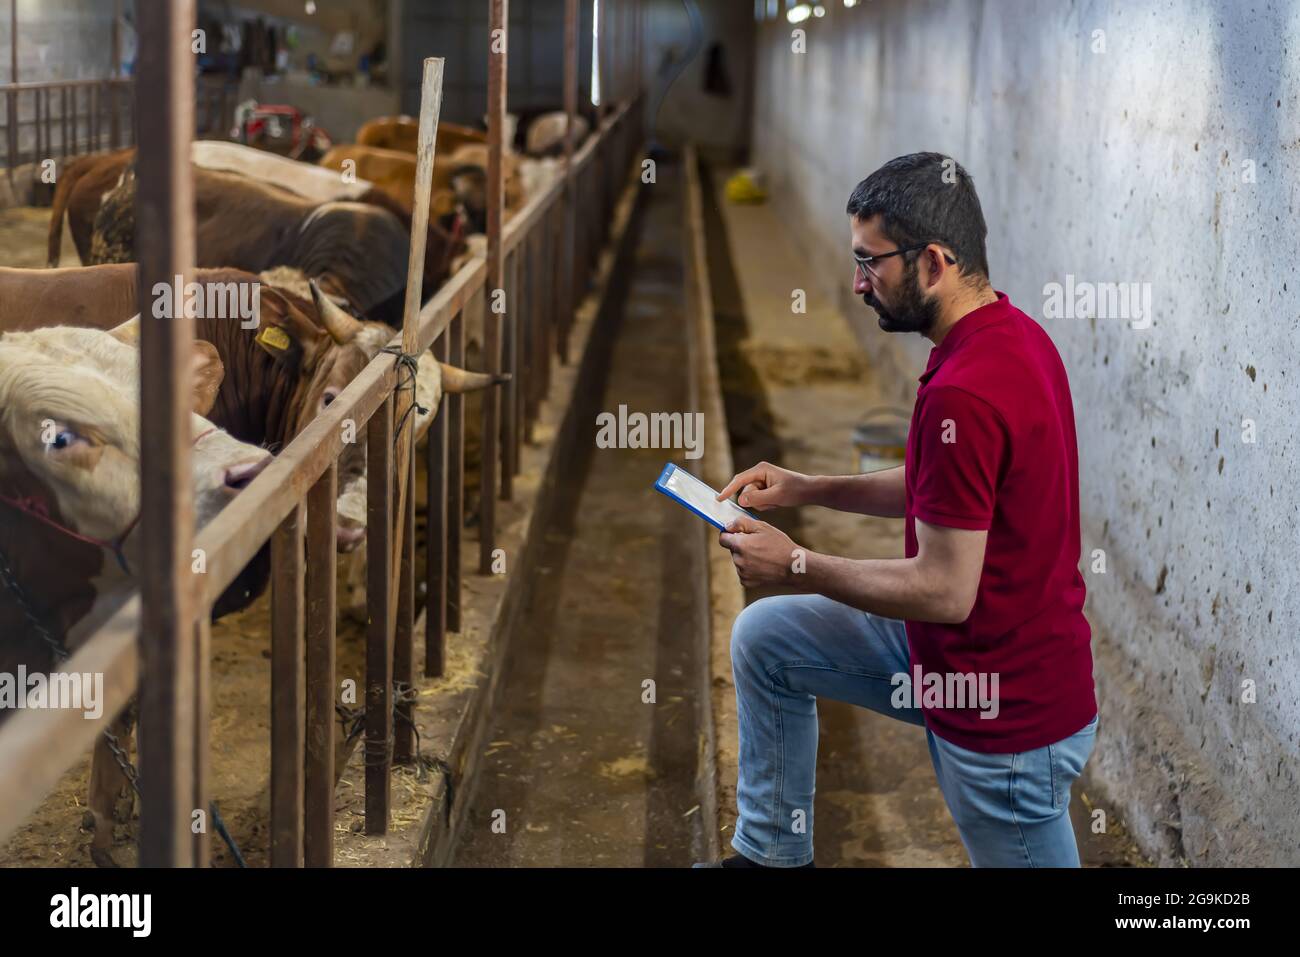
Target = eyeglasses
(865,262)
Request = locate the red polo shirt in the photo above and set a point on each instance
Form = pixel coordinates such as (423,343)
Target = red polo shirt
(992,446)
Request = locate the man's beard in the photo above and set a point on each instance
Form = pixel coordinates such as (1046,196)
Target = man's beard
(912,313)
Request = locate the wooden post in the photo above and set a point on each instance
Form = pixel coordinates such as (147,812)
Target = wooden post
(165,244)
(318,778)
(379,649)
(568,293)
(497,52)
(288,705)
(430,106)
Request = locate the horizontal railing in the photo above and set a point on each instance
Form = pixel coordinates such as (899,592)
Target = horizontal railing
(73,117)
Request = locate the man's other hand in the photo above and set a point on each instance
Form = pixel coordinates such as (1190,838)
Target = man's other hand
(763,555)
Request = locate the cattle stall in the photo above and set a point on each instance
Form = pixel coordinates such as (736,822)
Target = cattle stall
(156,644)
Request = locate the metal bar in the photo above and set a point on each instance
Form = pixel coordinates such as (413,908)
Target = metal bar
(430,107)
(518,383)
(202,837)
(552,257)
(379,649)
(510,363)
(436,547)
(288,702)
(63,122)
(318,771)
(534,316)
(568,293)
(11,115)
(498,17)
(165,244)
(404,635)
(455,477)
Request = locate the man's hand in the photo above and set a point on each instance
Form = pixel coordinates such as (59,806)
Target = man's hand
(765,486)
(763,555)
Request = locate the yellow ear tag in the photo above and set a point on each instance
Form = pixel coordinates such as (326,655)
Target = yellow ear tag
(273,337)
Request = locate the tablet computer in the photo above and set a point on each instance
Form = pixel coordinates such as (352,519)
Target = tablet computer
(683,487)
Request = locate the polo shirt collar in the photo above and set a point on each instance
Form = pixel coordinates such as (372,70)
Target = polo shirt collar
(969,324)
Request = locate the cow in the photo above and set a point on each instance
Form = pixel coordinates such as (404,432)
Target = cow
(77,194)
(280,374)
(459,177)
(358,248)
(403,133)
(70,500)
(303,179)
(544,136)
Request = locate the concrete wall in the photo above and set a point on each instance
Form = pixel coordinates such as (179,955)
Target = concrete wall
(717,123)
(1130,165)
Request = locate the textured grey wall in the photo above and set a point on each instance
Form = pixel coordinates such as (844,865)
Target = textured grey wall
(1169,156)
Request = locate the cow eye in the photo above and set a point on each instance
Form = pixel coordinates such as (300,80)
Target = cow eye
(329,396)
(65,439)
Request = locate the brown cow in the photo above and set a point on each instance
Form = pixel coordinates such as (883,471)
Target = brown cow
(78,192)
(358,249)
(403,133)
(70,500)
(459,177)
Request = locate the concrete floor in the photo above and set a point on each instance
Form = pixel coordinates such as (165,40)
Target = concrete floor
(795,385)
(578,768)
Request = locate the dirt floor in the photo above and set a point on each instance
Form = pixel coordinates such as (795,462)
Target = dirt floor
(795,386)
(580,770)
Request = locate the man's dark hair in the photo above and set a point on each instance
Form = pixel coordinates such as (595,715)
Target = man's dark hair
(926,198)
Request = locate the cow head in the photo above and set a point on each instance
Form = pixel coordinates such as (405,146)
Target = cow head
(70,430)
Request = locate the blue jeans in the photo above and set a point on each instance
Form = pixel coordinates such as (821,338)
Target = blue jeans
(789,650)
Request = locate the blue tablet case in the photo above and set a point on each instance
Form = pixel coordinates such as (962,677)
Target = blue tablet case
(661,485)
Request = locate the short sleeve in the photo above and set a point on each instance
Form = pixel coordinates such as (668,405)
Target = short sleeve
(962,445)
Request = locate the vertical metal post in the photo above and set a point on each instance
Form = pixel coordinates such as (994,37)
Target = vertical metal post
(11,106)
(437,527)
(568,292)
(288,704)
(318,774)
(498,14)
(165,244)
(455,475)
(379,649)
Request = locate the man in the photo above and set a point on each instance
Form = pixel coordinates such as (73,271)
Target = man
(978,633)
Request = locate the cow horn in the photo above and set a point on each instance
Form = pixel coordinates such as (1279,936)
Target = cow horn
(456,381)
(338,322)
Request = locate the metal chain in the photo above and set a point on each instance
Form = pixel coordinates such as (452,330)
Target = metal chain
(10,581)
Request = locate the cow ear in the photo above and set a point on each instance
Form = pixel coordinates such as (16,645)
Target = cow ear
(208,373)
(286,328)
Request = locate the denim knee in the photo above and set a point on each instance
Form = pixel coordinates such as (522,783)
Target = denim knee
(752,630)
